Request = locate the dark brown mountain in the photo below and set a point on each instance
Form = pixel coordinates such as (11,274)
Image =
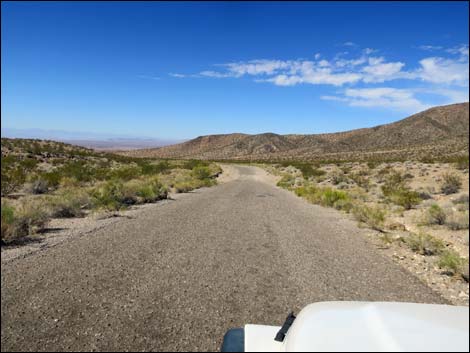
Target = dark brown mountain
(436,132)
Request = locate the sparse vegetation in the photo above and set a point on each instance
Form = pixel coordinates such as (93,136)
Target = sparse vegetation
(62,180)
(451,183)
(436,215)
(424,244)
(373,216)
(396,190)
(452,262)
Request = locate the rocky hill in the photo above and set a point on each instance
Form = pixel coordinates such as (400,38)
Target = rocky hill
(437,132)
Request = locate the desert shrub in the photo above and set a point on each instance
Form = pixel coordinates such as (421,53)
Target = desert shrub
(126,172)
(80,170)
(436,215)
(13,174)
(424,244)
(151,169)
(373,164)
(52,178)
(395,190)
(329,197)
(8,219)
(38,186)
(191,164)
(405,198)
(457,221)
(69,203)
(461,162)
(109,195)
(201,172)
(145,191)
(286,181)
(326,196)
(451,183)
(307,169)
(393,182)
(374,217)
(451,262)
(360,180)
(26,219)
(337,176)
(184,186)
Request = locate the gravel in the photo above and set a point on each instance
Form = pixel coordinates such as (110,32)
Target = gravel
(177,276)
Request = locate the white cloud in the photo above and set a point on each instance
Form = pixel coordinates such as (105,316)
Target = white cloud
(215,74)
(383,97)
(177,75)
(377,71)
(148,77)
(368,51)
(446,71)
(430,47)
(350,44)
(256,67)
(441,77)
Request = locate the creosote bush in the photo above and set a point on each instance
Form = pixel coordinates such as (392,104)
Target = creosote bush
(451,262)
(436,215)
(373,216)
(396,190)
(424,244)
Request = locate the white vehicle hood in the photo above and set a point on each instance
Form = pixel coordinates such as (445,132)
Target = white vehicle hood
(364,326)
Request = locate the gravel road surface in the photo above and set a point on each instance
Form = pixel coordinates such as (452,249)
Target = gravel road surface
(178,275)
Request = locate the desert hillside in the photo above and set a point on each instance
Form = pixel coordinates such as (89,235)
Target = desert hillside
(437,132)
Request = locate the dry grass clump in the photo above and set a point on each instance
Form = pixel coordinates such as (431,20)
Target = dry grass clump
(435,215)
(424,244)
(396,190)
(457,220)
(22,220)
(373,216)
(453,263)
(287,181)
(325,196)
(451,183)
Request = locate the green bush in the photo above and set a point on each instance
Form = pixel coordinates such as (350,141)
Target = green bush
(69,203)
(8,219)
(329,197)
(338,176)
(450,261)
(361,180)
(436,215)
(110,195)
(461,162)
(126,173)
(395,190)
(201,172)
(374,217)
(191,164)
(287,181)
(424,244)
(451,183)
(26,219)
(146,190)
(405,198)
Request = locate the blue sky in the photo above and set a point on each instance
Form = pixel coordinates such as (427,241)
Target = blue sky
(180,70)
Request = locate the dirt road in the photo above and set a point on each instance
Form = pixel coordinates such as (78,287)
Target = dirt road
(179,274)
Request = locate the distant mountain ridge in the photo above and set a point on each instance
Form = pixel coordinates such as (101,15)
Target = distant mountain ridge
(438,131)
